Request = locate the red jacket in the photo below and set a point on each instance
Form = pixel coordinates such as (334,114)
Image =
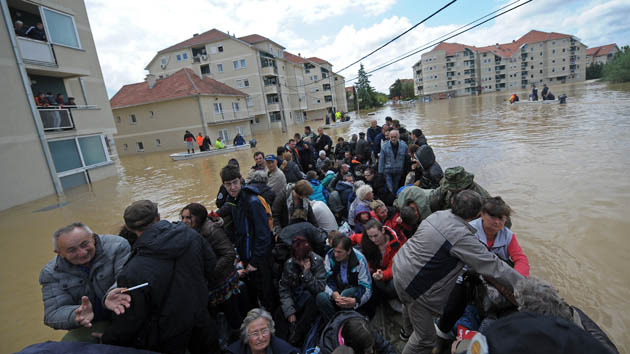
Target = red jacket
(392,248)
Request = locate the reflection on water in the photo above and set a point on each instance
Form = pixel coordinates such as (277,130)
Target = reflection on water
(563,168)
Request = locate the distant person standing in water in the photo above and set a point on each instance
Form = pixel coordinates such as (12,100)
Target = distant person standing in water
(534,95)
(200,142)
(189,139)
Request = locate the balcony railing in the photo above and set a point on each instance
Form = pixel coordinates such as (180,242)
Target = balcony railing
(54,119)
(36,52)
(269,71)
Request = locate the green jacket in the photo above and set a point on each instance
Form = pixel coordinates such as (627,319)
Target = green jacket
(440,198)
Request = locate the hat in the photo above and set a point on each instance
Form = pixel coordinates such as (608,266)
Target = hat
(270,157)
(456,179)
(140,214)
(530,333)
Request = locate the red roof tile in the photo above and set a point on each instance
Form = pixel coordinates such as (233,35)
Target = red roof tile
(535,36)
(206,37)
(319,61)
(601,50)
(294,58)
(256,38)
(183,83)
(452,48)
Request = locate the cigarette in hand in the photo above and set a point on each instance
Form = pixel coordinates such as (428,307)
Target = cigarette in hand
(134,288)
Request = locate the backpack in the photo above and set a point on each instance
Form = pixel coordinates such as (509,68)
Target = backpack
(267,211)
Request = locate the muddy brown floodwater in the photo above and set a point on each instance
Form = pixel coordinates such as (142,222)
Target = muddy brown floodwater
(564,169)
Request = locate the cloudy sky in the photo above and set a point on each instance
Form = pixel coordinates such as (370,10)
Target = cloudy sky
(129,33)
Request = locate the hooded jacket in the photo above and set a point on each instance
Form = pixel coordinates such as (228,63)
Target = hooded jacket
(63,284)
(417,195)
(294,278)
(282,214)
(431,170)
(252,236)
(427,266)
(319,192)
(177,263)
(329,339)
(358,276)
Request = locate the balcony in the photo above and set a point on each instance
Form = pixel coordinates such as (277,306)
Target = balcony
(273,107)
(56,119)
(271,89)
(36,52)
(269,71)
(221,117)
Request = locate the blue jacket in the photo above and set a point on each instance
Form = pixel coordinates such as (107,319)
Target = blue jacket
(277,346)
(252,236)
(376,143)
(358,276)
(239,140)
(319,192)
(388,163)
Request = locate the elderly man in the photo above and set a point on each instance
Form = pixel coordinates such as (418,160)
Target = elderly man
(260,165)
(75,282)
(275,177)
(373,131)
(323,142)
(426,267)
(170,313)
(391,161)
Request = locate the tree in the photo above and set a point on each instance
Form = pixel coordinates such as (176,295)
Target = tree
(618,69)
(366,93)
(407,89)
(395,90)
(594,71)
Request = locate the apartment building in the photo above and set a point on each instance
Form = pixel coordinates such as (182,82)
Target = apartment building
(454,69)
(155,114)
(282,88)
(46,150)
(418,84)
(602,54)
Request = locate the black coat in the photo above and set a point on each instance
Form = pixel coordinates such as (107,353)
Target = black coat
(266,192)
(321,141)
(379,187)
(315,238)
(280,212)
(363,150)
(431,170)
(340,150)
(329,341)
(222,248)
(292,172)
(177,263)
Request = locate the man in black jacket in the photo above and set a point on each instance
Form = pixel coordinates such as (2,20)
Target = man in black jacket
(323,142)
(170,314)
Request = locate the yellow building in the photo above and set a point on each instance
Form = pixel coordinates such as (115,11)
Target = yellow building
(454,69)
(602,54)
(45,150)
(155,114)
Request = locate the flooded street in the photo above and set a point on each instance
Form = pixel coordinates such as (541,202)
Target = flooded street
(564,169)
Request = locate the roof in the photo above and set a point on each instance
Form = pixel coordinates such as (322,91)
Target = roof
(601,50)
(452,48)
(535,36)
(350,89)
(256,38)
(294,58)
(206,37)
(319,61)
(183,83)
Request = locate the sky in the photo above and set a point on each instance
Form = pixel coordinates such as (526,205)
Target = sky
(128,34)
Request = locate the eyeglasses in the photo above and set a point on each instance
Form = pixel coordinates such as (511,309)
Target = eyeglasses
(234,182)
(258,333)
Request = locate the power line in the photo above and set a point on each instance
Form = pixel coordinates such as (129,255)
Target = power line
(400,35)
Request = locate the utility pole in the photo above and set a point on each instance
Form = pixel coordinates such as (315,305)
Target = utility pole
(356,96)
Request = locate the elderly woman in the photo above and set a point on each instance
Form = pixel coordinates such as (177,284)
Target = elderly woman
(225,281)
(321,160)
(364,196)
(500,240)
(302,279)
(257,336)
(294,197)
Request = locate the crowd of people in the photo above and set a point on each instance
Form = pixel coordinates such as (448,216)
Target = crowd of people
(302,250)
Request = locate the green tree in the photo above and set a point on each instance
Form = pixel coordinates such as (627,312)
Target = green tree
(395,90)
(594,71)
(366,93)
(618,69)
(407,89)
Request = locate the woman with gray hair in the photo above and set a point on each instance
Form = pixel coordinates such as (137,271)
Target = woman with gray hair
(538,296)
(257,336)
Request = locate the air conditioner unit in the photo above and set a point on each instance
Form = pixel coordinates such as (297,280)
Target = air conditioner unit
(204,57)
(163,66)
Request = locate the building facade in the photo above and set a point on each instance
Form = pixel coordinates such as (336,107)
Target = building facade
(46,149)
(453,69)
(154,115)
(602,54)
(282,88)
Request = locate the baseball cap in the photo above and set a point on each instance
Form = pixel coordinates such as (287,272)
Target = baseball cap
(140,214)
(270,157)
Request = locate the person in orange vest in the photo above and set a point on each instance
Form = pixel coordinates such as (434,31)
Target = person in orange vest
(200,141)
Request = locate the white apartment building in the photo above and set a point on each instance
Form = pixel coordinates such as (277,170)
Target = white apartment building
(46,150)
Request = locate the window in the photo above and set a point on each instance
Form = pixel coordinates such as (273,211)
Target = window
(553,51)
(139,146)
(239,130)
(158,143)
(235,107)
(77,154)
(61,28)
(213,50)
(151,114)
(541,71)
(220,68)
(242,83)
(315,77)
(223,133)
(220,48)
(270,49)
(179,57)
(563,68)
(235,62)
(316,100)
(243,63)
(249,101)
(218,108)
(205,69)
(163,60)
(275,116)
(118,119)
(185,55)
(126,147)
(132,119)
